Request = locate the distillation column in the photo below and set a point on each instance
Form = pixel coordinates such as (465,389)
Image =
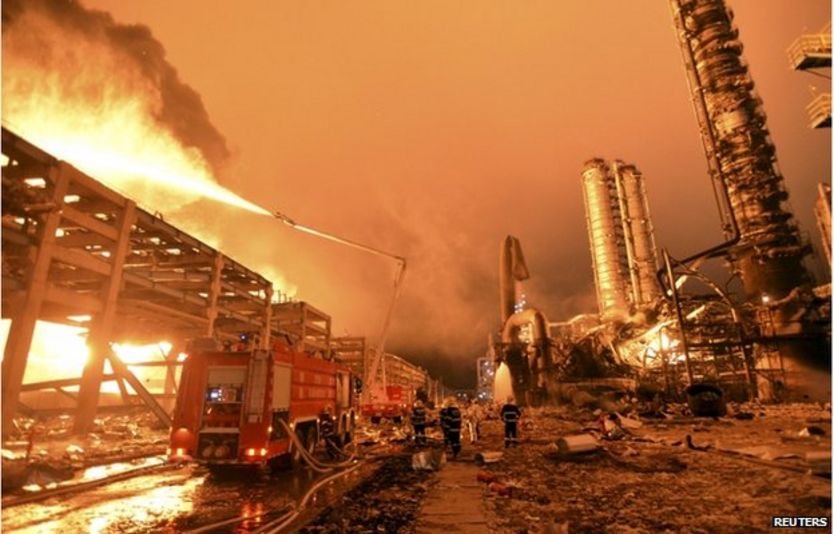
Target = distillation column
(765,247)
(733,127)
(606,238)
(639,233)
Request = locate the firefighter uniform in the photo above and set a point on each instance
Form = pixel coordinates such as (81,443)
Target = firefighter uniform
(418,421)
(510,414)
(328,433)
(450,418)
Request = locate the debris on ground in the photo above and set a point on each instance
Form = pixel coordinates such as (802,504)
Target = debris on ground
(430,460)
(387,501)
(46,451)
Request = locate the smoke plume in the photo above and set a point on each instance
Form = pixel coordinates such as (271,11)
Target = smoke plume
(59,47)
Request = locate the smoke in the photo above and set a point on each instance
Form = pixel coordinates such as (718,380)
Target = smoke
(59,47)
(433,133)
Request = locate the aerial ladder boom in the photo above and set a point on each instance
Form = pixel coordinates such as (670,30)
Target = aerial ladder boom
(379,352)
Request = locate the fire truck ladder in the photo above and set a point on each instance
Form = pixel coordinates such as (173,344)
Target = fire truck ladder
(379,352)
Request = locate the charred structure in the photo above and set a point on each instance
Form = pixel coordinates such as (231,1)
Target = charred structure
(771,341)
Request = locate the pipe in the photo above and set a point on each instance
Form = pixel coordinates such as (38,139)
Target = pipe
(528,316)
(668,264)
(729,224)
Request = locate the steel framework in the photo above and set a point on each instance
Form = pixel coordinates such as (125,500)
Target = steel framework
(74,247)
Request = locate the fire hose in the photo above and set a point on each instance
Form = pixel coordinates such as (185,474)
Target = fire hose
(282,522)
(314,463)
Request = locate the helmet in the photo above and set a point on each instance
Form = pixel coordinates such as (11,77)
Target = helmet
(418,403)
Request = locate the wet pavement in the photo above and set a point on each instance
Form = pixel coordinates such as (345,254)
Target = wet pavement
(175,501)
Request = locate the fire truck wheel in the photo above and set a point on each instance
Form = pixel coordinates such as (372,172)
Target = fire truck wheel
(375,420)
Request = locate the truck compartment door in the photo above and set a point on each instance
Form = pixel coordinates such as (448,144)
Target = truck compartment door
(256,384)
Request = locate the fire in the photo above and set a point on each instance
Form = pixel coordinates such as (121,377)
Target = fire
(663,344)
(91,105)
(120,147)
(59,351)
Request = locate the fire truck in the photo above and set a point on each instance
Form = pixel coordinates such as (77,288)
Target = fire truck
(230,405)
(388,402)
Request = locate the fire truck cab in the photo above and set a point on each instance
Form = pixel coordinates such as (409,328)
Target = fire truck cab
(231,405)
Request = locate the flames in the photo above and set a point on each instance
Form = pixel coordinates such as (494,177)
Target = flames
(103,97)
(117,143)
(89,102)
(60,351)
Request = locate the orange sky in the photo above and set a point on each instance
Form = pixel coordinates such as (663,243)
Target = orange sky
(435,128)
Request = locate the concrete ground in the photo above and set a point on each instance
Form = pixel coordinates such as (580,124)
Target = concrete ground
(455,503)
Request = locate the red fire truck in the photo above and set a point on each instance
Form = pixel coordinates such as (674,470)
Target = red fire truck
(230,405)
(388,402)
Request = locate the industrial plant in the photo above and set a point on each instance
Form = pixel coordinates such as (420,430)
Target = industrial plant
(666,324)
(181,355)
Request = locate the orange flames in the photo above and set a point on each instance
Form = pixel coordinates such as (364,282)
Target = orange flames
(60,351)
(119,145)
(91,106)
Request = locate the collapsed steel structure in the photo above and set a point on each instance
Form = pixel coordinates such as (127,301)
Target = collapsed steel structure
(772,341)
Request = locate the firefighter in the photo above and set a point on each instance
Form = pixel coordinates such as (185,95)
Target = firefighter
(510,414)
(418,421)
(450,418)
(328,433)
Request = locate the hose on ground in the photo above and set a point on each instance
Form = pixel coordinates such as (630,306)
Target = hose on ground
(303,452)
(280,523)
(316,464)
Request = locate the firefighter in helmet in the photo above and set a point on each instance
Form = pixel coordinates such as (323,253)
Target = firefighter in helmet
(450,419)
(510,414)
(418,421)
(328,433)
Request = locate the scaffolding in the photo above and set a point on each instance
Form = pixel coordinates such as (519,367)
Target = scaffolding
(809,53)
(306,328)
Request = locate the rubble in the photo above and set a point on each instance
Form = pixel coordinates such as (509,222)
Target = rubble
(430,460)
(55,455)
(578,444)
(649,481)
(488,457)
(387,501)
